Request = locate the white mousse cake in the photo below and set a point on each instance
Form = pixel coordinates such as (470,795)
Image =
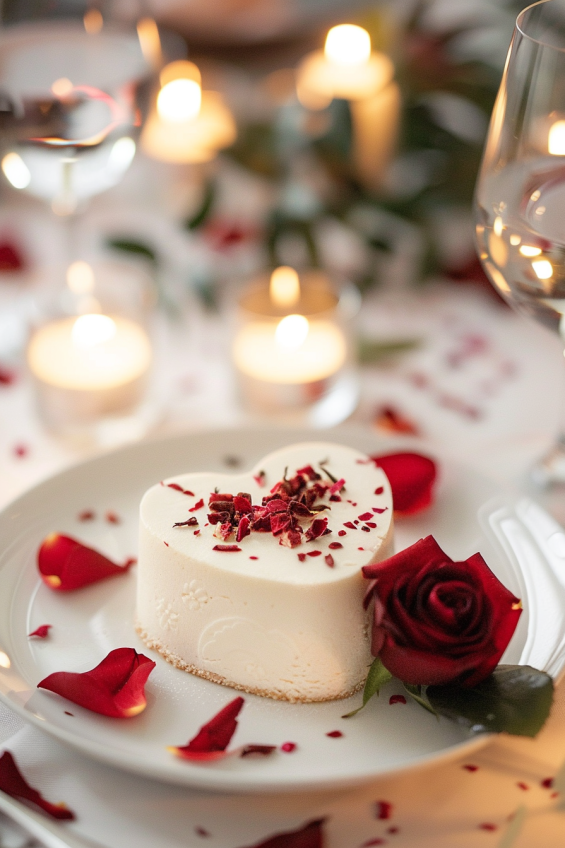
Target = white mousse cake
(254,581)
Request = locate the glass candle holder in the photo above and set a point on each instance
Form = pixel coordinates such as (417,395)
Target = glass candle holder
(293,348)
(91,353)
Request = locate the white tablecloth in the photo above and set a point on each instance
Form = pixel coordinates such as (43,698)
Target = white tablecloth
(484,386)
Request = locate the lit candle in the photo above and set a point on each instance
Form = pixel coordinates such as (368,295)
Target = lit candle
(291,347)
(186,123)
(347,68)
(87,367)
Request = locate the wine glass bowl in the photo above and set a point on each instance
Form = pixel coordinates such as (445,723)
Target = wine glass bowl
(520,192)
(71,106)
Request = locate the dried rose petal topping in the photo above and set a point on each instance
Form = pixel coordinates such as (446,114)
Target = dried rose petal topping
(314,553)
(13,783)
(547,782)
(378,840)
(337,486)
(289,747)
(397,699)
(42,631)
(257,750)
(341,533)
(301,557)
(86,515)
(114,688)
(317,528)
(383,810)
(412,477)
(178,488)
(350,525)
(379,490)
(227,548)
(333,546)
(309,836)
(66,564)
(213,737)
(112,518)
(365,516)
(329,560)
(191,522)
(198,505)
(335,734)
(470,767)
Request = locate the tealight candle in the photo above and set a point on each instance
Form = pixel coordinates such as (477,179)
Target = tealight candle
(292,349)
(186,125)
(347,68)
(89,366)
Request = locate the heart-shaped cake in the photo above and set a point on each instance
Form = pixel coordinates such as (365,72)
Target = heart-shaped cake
(254,580)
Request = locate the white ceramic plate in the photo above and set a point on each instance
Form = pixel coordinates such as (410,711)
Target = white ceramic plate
(470,514)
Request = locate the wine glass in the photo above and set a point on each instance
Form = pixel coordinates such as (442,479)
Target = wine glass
(520,193)
(73,91)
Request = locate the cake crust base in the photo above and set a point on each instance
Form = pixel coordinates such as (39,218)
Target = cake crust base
(181,664)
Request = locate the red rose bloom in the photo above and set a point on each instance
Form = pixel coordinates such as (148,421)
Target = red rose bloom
(437,621)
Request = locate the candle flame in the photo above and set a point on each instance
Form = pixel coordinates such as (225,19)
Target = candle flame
(16,171)
(284,287)
(4,660)
(80,277)
(556,139)
(88,331)
(530,250)
(292,331)
(62,87)
(348,44)
(543,269)
(93,21)
(179,100)
(150,42)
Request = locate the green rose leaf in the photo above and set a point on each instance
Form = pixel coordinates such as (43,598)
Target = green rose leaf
(376,679)
(514,698)
(130,246)
(416,692)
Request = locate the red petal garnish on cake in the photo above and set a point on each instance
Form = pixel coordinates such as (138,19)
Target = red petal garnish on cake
(213,737)
(412,477)
(289,747)
(66,564)
(260,478)
(348,524)
(243,528)
(13,783)
(191,522)
(488,826)
(383,810)
(378,840)
(198,505)
(470,767)
(397,699)
(301,557)
(42,632)
(86,515)
(226,548)
(317,528)
(115,687)
(112,518)
(309,836)
(178,488)
(257,750)
(365,516)
(329,560)
(547,782)
(337,486)
(341,533)
(335,734)
(335,545)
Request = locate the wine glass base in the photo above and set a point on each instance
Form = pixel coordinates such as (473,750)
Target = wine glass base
(550,469)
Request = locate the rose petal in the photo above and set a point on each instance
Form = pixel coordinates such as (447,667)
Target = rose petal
(42,631)
(13,783)
(115,687)
(215,735)
(66,564)
(309,836)
(411,477)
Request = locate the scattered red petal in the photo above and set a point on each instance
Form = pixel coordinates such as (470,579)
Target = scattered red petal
(10,258)
(260,478)
(391,421)
(379,490)
(68,713)
(379,510)
(112,518)
(383,810)
(469,767)
(65,564)
(366,529)
(166,543)
(523,786)
(360,549)
(350,525)
(412,477)
(314,553)
(335,734)
(200,831)
(371,525)
(115,687)
(329,560)
(377,841)
(547,782)
(301,557)
(257,750)
(13,783)
(393,830)
(488,826)
(289,747)
(397,699)
(554,795)
(20,451)
(341,533)
(86,515)
(178,488)
(337,486)
(309,836)
(214,736)
(365,516)
(42,632)
(7,376)
(335,545)
(253,557)
(227,548)
(198,505)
